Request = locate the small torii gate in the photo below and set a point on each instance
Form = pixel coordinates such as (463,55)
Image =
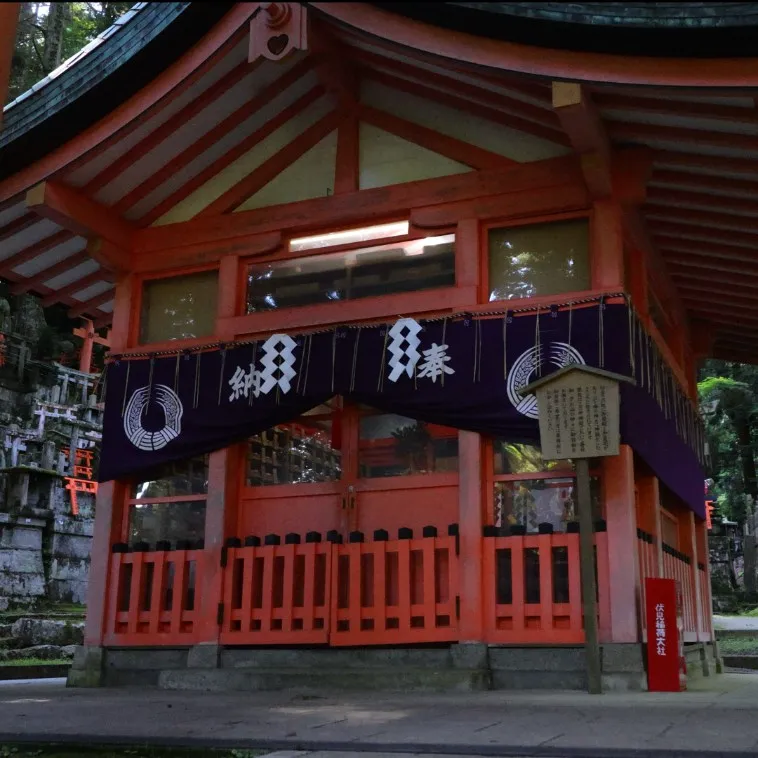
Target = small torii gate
(89,338)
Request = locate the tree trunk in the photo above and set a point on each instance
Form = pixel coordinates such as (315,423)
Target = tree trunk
(56,26)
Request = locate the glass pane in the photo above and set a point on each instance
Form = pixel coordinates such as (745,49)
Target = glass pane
(514,458)
(294,454)
(180,307)
(533,502)
(392,445)
(381,270)
(151,522)
(544,259)
(187,477)
(348,236)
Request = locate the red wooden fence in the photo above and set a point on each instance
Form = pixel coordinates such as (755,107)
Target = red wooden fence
(153,598)
(395,592)
(706,616)
(532,588)
(277,594)
(678,566)
(647,550)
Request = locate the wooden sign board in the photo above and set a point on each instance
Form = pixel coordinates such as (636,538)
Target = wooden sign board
(578,413)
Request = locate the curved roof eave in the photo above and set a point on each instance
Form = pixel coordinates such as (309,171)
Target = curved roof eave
(552,63)
(93,85)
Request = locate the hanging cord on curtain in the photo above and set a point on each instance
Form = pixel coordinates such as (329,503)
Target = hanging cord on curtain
(196,388)
(505,345)
(126,387)
(221,373)
(355,360)
(176,373)
(255,375)
(334,354)
(150,380)
(601,333)
(478,350)
(537,345)
(380,378)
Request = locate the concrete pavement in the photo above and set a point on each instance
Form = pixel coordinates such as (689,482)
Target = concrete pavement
(719,714)
(735,623)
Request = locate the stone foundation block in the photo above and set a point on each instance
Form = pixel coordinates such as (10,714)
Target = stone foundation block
(87,668)
(204,656)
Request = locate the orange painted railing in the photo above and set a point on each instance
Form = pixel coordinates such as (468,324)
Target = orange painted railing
(678,566)
(276,594)
(153,596)
(532,587)
(395,591)
(647,550)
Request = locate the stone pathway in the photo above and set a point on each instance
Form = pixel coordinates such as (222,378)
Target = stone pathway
(717,714)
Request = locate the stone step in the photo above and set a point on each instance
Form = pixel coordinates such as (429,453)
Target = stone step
(8,643)
(322,680)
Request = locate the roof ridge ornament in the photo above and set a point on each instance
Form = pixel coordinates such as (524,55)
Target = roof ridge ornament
(277,30)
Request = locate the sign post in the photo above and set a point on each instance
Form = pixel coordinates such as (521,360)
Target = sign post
(666,665)
(579,419)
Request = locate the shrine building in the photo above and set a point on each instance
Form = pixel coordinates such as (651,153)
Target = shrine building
(333,243)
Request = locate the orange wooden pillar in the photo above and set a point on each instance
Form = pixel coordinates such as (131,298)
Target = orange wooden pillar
(8,23)
(221,495)
(111,496)
(623,575)
(470,520)
(607,246)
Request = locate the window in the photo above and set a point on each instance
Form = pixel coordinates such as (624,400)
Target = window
(301,452)
(171,506)
(403,266)
(529,491)
(180,307)
(544,259)
(392,445)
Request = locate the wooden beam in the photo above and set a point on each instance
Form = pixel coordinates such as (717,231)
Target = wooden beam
(709,250)
(78,213)
(691,217)
(450,147)
(74,287)
(233,154)
(12,228)
(31,252)
(680,136)
(261,176)
(704,183)
(550,133)
(721,236)
(703,261)
(33,282)
(362,207)
(8,23)
(109,256)
(694,163)
(681,198)
(239,116)
(679,274)
(93,304)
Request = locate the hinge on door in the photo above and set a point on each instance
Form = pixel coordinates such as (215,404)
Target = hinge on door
(458,607)
(220,614)
(224,556)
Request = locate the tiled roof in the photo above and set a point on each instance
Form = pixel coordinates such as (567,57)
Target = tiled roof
(93,63)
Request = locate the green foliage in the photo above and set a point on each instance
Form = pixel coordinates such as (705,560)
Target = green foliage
(50,33)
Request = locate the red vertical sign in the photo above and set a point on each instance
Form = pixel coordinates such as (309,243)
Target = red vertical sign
(666,671)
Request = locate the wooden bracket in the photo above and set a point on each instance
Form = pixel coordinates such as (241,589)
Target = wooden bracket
(278,29)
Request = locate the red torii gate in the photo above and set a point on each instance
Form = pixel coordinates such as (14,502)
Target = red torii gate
(89,337)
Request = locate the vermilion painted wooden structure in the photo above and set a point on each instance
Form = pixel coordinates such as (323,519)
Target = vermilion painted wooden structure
(243,148)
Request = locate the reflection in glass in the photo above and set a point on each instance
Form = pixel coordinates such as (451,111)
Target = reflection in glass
(294,454)
(544,259)
(514,458)
(175,521)
(392,445)
(178,307)
(532,502)
(187,477)
(407,266)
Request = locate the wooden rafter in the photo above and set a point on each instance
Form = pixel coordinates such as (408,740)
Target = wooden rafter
(690,260)
(76,286)
(261,176)
(728,186)
(31,252)
(12,228)
(233,154)
(681,136)
(694,163)
(682,198)
(538,114)
(552,134)
(678,273)
(450,147)
(726,252)
(218,132)
(701,217)
(720,236)
(169,127)
(34,282)
(92,305)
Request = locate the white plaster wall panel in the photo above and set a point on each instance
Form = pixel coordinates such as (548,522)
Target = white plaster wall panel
(385,159)
(192,130)
(12,213)
(685,122)
(221,146)
(51,257)
(93,291)
(83,174)
(312,175)
(26,237)
(247,163)
(457,75)
(466,127)
(77,272)
(107,307)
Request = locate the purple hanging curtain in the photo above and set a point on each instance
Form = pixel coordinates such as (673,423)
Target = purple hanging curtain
(465,373)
